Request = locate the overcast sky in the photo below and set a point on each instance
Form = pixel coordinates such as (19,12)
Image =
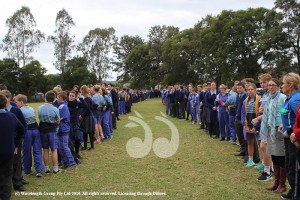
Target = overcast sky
(132,17)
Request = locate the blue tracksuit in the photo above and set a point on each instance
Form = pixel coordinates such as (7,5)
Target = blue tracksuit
(193,105)
(223,116)
(63,134)
(105,117)
(32,142)
(231,101)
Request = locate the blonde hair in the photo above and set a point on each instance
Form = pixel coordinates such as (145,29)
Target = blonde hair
(21,97)
(84,90)
(223,86)
(292,78)
(265,77)
(6,93)
(57,89)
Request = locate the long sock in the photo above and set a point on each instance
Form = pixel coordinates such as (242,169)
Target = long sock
(267,169)
(250,158)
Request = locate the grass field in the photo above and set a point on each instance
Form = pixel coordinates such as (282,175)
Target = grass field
(202,168)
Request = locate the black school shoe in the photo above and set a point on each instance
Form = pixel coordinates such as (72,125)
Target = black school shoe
(24,182)
(20,188)
(289,195)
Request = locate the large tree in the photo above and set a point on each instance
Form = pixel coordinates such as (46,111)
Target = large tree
(9,74)
(157,36)
(62,39)
(97,48)
(31,78)
(122,49)
(140,71)
(22,36)
(78,73)
(290,10)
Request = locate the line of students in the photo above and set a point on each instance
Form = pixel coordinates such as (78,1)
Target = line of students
(66,120)
(265,123)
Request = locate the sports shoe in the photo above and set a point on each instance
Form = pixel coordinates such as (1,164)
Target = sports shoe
(96,142)
(260,166)
(109,138)
(39,175)
(28,174)
(250,163)
(47,171)
(264,177)
(71,168)
(58,171)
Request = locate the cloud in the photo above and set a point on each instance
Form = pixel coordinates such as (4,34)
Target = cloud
(132,17)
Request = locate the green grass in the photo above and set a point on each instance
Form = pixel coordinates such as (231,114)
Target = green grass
(202,168)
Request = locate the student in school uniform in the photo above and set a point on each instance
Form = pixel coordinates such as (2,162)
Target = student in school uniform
(115,98)
(32,145)
(266,157)
(288,113)
(231,104)
(270,122)
(88,124)
(48,126)
(172,102)
(212,114)
(75,103)
(166,95)
(98,102)
(240,98)
(181,103)
(106,112)
(202,109)
(223,116)
(64,131)
(122,95)
(250,111)
(18,181)
(12,132)
(198,99)
(194,105)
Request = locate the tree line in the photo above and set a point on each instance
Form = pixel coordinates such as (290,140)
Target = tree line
(229,46)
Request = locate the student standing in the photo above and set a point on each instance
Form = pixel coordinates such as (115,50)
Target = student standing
(49,120)
(88,124)
(241,96)
(64,131)
(212,114)
(105,114)
(76,135)
(270,122)
(251,111)
(288,114)
(11,131)
(32,145)
(223,116)
(231,103)
(17,179)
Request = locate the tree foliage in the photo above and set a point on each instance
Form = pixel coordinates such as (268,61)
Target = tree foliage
(22,36)
(78,73)
(32,77)
(96,48)
(62,39)
(290,10)
(122,49)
